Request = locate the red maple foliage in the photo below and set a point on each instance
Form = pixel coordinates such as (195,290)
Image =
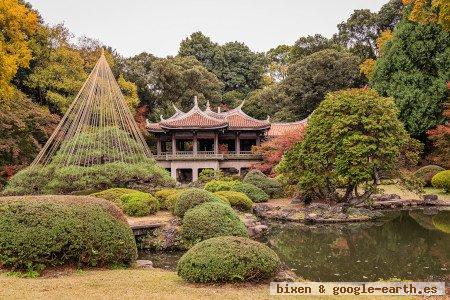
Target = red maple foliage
(274,148)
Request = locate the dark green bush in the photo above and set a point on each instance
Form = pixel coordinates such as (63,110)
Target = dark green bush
(228,259)
(442,181)
(191,198)
(211,219)
(236,199)
(252,191)
(139,204)
(44,231)
(65,173)
(113,195)
(427,172)
(270,186)
(209,174)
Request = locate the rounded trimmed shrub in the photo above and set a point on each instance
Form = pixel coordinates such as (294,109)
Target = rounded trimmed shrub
(270,186)
(113,195)
(191,198)
(169,197)
(211,219)
(442,180)
(228,259)
(252,191)
(236,199)
(139,204)
(171,201)
(426,173)
(43,231)
(220,185)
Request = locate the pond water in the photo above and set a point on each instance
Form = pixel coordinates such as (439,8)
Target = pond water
(405,245)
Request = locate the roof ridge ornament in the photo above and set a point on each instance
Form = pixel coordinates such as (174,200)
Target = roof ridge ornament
(241,105)
(268,118)
(208,105)
(176,108)
(161,117)
(195,102)
(218,109)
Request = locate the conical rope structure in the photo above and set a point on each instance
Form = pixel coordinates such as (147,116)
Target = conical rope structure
(97,128)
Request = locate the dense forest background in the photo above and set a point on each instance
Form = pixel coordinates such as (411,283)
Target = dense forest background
(402,51)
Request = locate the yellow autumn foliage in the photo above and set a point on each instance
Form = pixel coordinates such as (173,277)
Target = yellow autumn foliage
(17,23)
(430,11)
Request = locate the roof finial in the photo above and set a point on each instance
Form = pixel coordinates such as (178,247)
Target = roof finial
(195,102)
(241,105)
(268,118)
(161,117)
(176,108)
(208,106)
(218,109)
(103,51)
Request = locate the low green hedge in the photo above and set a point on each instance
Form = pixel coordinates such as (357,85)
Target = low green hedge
(426,173)
(211,219)
(191,198)
(442,181)
(139,204)
(253,192)
(228,259)
(236,199)
(113,195)
(134,203)
(43,231)
(270,186)
(220,185)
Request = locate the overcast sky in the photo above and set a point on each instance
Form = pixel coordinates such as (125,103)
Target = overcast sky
(158,27)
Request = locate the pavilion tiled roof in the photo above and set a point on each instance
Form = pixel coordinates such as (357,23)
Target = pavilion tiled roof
(234,119)
(277,129)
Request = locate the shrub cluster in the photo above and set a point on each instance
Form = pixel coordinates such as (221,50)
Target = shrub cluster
(220,185)
(191,198)
(426,173)
(113,195)
(211,219)
(442,181)
(169,197)
(270,186)
(253,192)
(134,203)
(139,204)
(43,231)
(236,199)
(228,259)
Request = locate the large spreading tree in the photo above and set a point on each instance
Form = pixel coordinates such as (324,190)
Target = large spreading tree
(351,137)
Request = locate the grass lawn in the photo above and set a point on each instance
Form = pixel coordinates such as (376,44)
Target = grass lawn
(405,194)
(132,283)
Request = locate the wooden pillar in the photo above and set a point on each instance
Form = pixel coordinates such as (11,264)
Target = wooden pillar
(174,144)
(195,146)
(216,143)
(173,173)
(158,146)
(238,144)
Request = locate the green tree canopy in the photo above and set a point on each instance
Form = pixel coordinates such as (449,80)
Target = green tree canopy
(308,80)
(351,136)
(233,63)
(177,80)
(307,45)
(414,70)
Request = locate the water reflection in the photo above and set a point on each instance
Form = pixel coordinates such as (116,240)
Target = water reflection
(407,245)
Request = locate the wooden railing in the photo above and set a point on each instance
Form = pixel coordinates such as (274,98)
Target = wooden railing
(186,155)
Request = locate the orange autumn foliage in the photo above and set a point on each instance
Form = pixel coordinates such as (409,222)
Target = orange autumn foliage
(273,150)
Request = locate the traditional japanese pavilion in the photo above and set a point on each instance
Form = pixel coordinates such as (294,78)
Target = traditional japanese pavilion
(199,139)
